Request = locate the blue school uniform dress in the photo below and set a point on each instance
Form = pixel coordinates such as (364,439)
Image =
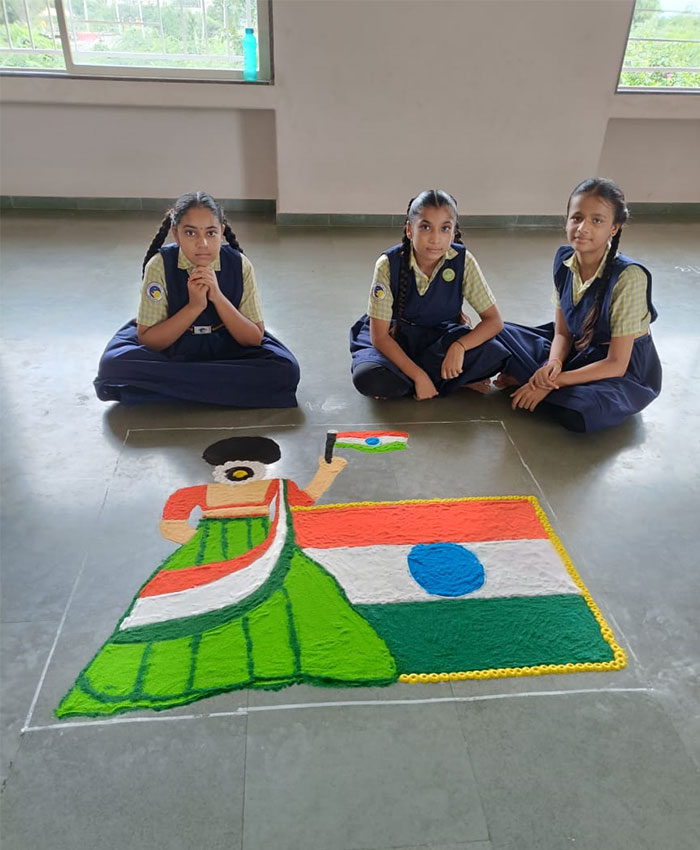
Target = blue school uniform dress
(429,324)
(598,404)
(205,364)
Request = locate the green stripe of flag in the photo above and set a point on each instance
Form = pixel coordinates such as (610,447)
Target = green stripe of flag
(387,447)
(451,636)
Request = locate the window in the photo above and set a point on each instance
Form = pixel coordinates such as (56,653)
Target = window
(172,39)
(663,48)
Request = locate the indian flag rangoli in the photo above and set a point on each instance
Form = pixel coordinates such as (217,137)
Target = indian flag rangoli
(372,441)
(271,590)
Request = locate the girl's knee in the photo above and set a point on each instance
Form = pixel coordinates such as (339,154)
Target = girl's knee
(375,381)
(362,382)
(289,371)
(572,420)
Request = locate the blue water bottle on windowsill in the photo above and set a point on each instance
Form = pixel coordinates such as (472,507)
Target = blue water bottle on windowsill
(250,55)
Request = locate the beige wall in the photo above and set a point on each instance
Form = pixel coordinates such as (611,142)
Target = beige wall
(654,160)
(506,103)
(123,152)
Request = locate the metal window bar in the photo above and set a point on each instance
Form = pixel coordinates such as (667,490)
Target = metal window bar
(72,21)
(50,17)
(183,25)
(665,69)
(160,26)
(668,40)
(29,24)
(669,11)
(224,7)
(205,36)
(7,23)
(29,51)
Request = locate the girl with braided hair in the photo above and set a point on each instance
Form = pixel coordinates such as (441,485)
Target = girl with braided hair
(199,335)
(596,364)
(415,338)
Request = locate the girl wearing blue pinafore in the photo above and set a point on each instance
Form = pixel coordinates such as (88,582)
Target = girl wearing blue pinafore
(199,335)
(596,365)
(414,338)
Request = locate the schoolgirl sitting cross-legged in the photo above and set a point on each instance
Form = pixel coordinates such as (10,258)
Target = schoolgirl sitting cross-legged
(199,335)
(596,364)
(414,338)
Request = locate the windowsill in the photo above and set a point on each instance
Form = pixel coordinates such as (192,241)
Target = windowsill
(655,104)
(56,89)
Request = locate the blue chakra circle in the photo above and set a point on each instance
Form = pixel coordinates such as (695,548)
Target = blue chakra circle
(372,441)
(445,569)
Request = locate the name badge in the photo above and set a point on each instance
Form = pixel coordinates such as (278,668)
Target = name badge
(201,329)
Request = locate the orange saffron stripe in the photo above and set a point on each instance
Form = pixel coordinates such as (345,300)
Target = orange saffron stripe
(460,522)
(171,581)
(362,434)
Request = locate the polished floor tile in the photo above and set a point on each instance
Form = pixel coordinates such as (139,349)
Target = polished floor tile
(171,785)
(588,771)
(360,777)
(24,649)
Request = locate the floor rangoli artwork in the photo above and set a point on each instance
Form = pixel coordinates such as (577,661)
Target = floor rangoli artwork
(271,590)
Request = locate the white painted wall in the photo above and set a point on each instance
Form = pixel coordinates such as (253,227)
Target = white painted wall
(505,103)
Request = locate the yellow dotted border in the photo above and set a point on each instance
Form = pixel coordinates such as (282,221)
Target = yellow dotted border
(619,656)
(532,499)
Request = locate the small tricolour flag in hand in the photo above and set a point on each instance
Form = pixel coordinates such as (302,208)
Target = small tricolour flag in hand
(372,441)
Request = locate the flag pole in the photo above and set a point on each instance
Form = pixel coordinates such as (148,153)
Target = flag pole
(331,437)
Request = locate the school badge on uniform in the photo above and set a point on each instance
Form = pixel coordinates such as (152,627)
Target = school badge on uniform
(379,291)
(448,275)
(155,291)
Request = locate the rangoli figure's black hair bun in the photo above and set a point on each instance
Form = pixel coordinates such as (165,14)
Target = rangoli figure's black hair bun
(261,449)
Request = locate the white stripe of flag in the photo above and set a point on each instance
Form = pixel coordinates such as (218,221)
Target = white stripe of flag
(379,574)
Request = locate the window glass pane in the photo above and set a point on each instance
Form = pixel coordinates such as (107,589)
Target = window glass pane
(203,34)
(663,49)
(172,35)
(29,36)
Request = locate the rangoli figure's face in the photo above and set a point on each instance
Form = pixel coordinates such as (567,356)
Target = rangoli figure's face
(239,471)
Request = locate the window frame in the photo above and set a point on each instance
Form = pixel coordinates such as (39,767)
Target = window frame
(651,89)
(179,75)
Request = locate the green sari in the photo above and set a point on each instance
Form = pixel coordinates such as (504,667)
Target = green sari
(298,626)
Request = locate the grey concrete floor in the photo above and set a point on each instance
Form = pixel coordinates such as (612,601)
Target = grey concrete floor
(601,761)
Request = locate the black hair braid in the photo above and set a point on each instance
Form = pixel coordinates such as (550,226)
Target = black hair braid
(158,239)
(402,295)
(230,237)
(463,317)
(601,284)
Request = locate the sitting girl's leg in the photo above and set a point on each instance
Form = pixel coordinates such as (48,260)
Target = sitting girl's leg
(377,381)
(259,376)
(528,349)
(478,365)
